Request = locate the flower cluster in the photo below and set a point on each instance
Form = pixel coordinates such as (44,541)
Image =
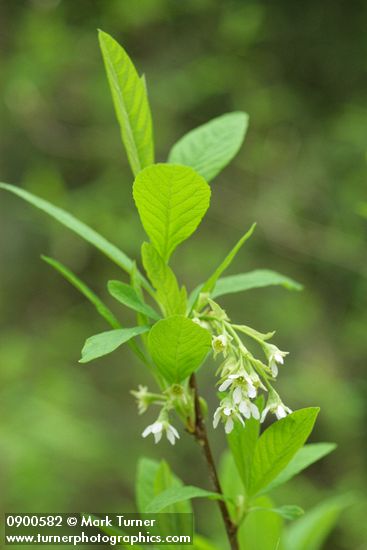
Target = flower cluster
(241,375)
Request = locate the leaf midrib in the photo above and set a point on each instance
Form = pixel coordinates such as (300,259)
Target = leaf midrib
(122,104)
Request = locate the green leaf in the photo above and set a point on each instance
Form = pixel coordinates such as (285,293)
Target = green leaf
(278,445)
(144,486)
(201,543)
(127,295)
(174,495)
(306,456)
(171,201)
(311,531)
(102,309)
(130,102)
(177,515)
(288,511)
(153,479)
(211,282)
(242,442)
(210,147)
(168,294)
(232,485)
(166,479)
(106,342)
(262,529)
(178,347)
(78,227)
(253,279)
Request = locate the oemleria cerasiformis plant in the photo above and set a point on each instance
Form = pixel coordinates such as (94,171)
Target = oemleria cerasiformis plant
(177,331)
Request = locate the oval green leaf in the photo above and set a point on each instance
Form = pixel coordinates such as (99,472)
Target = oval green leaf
(171,201)
(178,347)
(210,147)
(106,342)
(278,445)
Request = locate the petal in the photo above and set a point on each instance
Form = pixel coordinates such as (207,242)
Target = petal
(251,391)
(217,416)
(229,426)
(280,412)
(227,411)
(274,369)
(279,358)
(255,411)
(157,427)
(237,395)
(170,436)
(245,409)
(173,430)
(147,431)
(158,437)
(216,419)
(264,413)
(225,385)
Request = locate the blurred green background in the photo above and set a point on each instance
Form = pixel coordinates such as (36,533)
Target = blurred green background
(70,434)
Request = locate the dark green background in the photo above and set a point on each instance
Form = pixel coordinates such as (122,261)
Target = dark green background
(70,435)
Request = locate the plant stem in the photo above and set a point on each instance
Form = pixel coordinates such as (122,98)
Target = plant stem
(201,437)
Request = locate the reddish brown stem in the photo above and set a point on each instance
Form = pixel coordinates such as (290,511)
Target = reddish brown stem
(201,437)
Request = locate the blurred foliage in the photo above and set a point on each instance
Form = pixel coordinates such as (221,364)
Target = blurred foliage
(70,435)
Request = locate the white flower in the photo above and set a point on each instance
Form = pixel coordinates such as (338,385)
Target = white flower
(240,398)
(227,413)
(220,343)
(275,406)
(142,398)
(281,411)
(243,383)
(157,429)
(275,357)
(248,409)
